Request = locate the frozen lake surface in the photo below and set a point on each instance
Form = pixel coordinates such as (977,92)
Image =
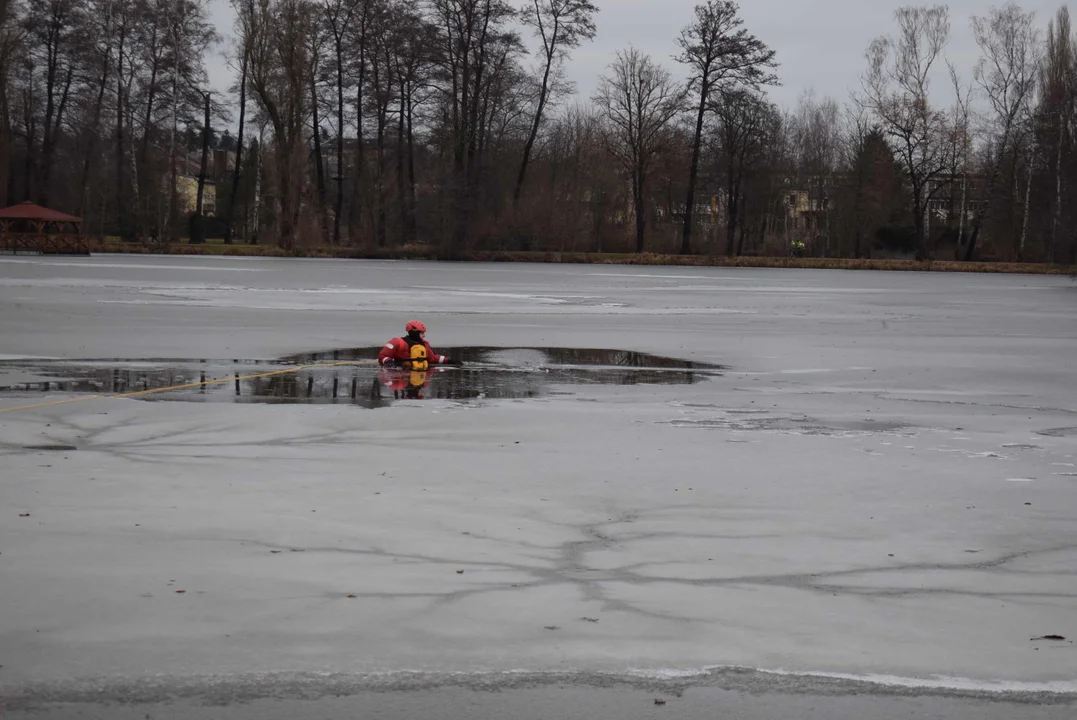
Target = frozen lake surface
(875,493)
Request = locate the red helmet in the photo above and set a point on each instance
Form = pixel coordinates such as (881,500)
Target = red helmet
(415,326)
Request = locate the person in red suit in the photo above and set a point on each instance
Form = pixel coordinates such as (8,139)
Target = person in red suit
(412,351)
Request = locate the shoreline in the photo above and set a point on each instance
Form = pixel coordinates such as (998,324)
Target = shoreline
(584,258)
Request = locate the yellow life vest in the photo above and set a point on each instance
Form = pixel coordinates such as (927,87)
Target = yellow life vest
(418,361)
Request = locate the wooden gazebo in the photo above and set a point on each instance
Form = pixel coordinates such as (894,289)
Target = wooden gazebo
(34,229)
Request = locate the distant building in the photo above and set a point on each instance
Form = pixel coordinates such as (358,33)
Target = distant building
(223,163)
(804,208)
(187,195)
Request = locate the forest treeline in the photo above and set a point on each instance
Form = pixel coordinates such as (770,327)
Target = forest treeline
(392,123)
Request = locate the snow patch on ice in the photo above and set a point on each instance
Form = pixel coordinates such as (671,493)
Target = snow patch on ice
(674,673)
(942,682)
(932,682)
(971,454)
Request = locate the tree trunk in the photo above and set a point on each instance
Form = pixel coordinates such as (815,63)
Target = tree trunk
(239,153)
(121,201)
(1056,215)
(141,166)
(319,164)
(52,131)
(204,164)
(167,217)
(136,221)
(288,207)
(409,226)
(5,142)
(30,161)
(743,226)
(400,179)
(143,152)
(964,205)
(1028,194)
(382,120)
(51,63)
(258,185)
(360,168)
(6,139)
(693,171)
(339,203)
(637,200)
(919,213)
(461,195)
(198,225)
(91,150)
(537,121)
(732,193)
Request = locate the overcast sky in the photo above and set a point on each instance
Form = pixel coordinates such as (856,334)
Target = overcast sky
(820,43)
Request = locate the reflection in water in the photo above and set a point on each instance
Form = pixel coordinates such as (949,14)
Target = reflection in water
(496,373)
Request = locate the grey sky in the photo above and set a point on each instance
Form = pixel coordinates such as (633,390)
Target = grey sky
(820,43)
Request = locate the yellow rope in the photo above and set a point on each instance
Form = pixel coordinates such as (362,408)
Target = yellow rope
(185,386)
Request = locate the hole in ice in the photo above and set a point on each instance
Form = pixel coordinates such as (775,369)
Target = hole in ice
(351,376)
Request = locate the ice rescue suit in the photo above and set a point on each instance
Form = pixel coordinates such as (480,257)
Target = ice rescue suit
(399,350)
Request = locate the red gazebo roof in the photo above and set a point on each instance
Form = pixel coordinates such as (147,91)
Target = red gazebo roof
(30,211)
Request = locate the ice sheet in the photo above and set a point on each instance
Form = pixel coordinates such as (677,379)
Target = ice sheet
(861,522)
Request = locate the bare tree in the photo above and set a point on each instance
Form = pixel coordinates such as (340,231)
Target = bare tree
(279,63)
(316,45)
(471,33)
(897,90)
(244,32)
(53,26)
(413,63)
(962,147)
(719,52)
(152,47)
(124,25)
(744,124)
(359,46)
(1006,73)
(384,42)
(338,16)
(98,51)
(197,225)
(197,38)
(1056,108)
(639,99)
(10,40)
(816,139)
(560,25)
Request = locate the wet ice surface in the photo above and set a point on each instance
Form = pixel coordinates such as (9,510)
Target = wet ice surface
(879,486)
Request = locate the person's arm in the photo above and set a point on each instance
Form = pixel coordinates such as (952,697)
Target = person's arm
(436,359)
(388,354)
